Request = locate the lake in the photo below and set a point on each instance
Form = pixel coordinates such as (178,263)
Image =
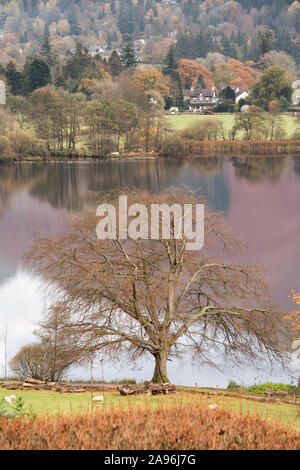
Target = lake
(260,198)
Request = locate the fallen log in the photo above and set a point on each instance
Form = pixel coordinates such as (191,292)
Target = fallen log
(14,386)
(127,390)
(60,387)
(29,380)
(148,389)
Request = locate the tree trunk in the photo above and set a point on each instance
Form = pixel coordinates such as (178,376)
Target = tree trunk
(160,371)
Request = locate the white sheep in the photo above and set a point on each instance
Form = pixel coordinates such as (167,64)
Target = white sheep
(99,399)
(212,407)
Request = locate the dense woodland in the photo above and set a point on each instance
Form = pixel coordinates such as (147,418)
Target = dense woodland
(90,78)
(240,29)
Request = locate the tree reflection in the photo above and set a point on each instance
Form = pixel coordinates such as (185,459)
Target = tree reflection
(259,169)
(68,185)
(297,165)
(208,165)
(17,177)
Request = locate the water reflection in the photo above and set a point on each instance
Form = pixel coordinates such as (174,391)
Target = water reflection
(260,198)
(258,169)
(15,178)
(35,196)
(66,186)
(297,165)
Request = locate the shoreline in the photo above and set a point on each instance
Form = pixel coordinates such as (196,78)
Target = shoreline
(192,149)
(194,156)
(243,147)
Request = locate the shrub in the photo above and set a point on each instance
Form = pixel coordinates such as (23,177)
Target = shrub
(274,387)
(233,385)
(25,144)
(204,129)
(164,428)
(14,407)
(224,107)
(5,148)
(296,134)
(128,381)
(172,146)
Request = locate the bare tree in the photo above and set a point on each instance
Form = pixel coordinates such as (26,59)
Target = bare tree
(48,359)
(155,297)
(30,361)
(59,345)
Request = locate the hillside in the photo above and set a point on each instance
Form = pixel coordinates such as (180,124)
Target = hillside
(243,29)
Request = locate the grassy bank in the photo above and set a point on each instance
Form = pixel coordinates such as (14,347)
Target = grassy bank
(183,121)
(46,402)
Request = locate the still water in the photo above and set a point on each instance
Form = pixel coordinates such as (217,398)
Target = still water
(260,199)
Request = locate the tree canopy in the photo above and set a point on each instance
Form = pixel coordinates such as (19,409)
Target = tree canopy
(274,84)
(133,298)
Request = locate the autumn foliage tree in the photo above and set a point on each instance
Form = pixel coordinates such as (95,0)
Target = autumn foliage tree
(294,317)
(151,80)
(132,298)
(190,70)
(274,85)
(244,74)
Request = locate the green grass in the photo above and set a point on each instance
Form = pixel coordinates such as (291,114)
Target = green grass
(46,402)
(185,120)
(287,414)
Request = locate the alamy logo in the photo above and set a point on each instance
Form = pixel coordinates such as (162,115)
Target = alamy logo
(161,221)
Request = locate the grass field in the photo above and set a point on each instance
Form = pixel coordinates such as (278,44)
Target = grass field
(183,121)
(46,402)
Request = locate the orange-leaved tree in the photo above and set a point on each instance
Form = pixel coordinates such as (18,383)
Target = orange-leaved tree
(151,80)
(294,316)
(190,70)
(244,74)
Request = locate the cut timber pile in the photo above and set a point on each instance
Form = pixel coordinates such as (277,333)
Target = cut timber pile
(281,393)
(148,389)
(34,384)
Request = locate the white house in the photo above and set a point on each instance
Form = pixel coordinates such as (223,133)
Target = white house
(241,95)
(2,92)
(198,99)
(296,93)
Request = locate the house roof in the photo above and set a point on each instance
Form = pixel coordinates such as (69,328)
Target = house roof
(239,93)
(206,92)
